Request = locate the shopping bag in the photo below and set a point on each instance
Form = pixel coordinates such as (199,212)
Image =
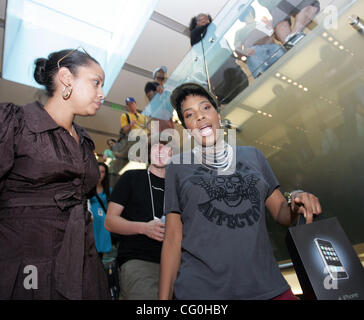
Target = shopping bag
(325,262)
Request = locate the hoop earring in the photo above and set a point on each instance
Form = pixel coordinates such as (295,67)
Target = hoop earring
(66,94)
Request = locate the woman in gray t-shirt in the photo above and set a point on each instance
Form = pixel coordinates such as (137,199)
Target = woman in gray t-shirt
(216,243)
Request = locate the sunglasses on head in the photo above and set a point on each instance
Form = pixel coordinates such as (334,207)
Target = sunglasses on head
(69,53)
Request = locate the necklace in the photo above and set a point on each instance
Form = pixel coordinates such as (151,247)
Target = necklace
(217,157)
(72,130)
(151,194)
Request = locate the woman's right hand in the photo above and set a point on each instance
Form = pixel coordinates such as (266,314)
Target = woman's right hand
(154,229)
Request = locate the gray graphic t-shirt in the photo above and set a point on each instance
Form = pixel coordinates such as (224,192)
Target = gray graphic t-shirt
(226,251)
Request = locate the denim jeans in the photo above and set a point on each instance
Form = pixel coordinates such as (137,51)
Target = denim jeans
(265,56)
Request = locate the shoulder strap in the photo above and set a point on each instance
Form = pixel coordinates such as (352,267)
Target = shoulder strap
(127,117)
(101,203)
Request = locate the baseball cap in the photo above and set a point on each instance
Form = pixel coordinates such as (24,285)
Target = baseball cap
(181,91)
(163,68)
(129,99)
(186,89)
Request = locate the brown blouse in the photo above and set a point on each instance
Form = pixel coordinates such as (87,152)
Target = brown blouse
(44,223)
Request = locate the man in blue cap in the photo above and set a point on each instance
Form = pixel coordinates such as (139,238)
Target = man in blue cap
(134,120)
(129,121)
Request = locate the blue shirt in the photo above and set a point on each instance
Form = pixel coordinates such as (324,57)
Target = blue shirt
(101,235)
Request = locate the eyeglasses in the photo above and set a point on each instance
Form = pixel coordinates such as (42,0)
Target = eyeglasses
(69,53)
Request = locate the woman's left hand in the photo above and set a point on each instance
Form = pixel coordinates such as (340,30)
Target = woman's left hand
(307,204)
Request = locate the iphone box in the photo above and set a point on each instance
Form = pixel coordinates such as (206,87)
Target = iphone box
(325,262)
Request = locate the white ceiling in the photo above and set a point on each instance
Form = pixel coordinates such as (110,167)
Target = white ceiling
(158,45)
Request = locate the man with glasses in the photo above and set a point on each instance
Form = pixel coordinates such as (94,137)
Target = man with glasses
(160,75)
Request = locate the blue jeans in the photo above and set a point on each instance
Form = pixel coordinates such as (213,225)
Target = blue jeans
(265,56)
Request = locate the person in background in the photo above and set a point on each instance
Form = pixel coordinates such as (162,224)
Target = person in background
(151,90)
(216,244)
(229,79)
(282,10)
(108,154)
(160,76)
(98,208)
(135,212)
(111,161)
(256,42)
(47,169)
(133,124)
(136,120)
(198,27)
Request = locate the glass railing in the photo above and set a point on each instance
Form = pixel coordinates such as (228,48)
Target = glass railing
(302,106)
(238,46)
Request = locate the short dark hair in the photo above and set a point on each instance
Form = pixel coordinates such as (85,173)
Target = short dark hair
(151,86)
(193,22)
(186,90)
(111,139)
(45,69)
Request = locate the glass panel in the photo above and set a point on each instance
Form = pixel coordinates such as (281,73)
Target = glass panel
(210,60)
(239,45)
(306,114)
